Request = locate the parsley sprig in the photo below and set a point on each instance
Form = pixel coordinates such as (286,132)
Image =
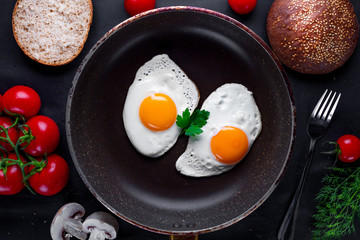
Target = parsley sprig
(191,124)
(338,204)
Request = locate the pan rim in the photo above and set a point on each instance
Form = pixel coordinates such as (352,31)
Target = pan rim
(197,10)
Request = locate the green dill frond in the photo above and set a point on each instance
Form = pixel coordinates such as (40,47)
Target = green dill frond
(338,204)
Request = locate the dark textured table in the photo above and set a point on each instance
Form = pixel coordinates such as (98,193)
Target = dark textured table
(27,216)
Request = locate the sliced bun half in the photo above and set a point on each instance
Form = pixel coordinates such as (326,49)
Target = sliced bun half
(52,32)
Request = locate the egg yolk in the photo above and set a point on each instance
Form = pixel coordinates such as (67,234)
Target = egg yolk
(229,145)
(158,112)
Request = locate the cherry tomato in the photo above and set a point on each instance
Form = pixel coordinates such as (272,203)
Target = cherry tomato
(242,6)
(12,183)
(21,100)
(52,178)
(6,122)
(349,146)
(46,134)
(134,7)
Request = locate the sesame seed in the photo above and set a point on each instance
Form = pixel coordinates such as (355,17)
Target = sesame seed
(323,38)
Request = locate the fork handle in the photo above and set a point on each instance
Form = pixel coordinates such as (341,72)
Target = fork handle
(292,210)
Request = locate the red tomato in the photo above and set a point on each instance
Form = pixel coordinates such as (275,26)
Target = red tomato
(21,100)
(46,134)
(349,146)
(12,183)
(134,7)
(52,178)
(6,122)
(242,6)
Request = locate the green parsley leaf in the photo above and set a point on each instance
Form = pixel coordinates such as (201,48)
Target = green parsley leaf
(192,124)
(193,130)
(199,118)
(184,120)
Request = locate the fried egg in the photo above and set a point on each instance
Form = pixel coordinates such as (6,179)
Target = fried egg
(233,125)
(160,91)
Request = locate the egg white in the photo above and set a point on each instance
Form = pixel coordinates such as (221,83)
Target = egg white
(230,105)
(159,75)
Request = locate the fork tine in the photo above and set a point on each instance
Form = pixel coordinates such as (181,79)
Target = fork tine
(323,105)
(333,109)
(323,116)
(318,104)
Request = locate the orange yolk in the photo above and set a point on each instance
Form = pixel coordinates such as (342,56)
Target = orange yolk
(158,112)
(230,145)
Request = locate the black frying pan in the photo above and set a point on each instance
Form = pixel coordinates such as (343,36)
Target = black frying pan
(212,49)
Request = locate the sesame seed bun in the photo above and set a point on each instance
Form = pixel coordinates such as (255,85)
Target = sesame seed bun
(52,32)
(312,36)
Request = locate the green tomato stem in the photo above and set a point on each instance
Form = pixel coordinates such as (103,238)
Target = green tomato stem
(26,138)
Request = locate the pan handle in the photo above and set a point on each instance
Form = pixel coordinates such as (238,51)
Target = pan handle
(184,237)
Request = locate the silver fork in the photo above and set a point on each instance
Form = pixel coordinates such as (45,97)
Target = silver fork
(318,124)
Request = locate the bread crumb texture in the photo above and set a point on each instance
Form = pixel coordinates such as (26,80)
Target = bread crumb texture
(311,36)
(52,32)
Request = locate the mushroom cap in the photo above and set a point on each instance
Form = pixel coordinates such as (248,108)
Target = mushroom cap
(66,212)
(102,221)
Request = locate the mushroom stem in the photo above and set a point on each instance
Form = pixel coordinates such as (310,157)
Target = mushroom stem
(74,228)
(67,223)
(97,235)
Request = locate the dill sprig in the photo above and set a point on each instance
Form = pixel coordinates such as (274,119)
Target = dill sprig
(338,204)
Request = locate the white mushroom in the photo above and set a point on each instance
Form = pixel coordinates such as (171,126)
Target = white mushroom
(101,226)
(68,223)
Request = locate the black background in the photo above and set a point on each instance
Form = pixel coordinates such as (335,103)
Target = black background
(27,216)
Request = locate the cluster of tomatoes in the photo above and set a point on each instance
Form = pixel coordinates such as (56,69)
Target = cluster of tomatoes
(27,143)
(134,7)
